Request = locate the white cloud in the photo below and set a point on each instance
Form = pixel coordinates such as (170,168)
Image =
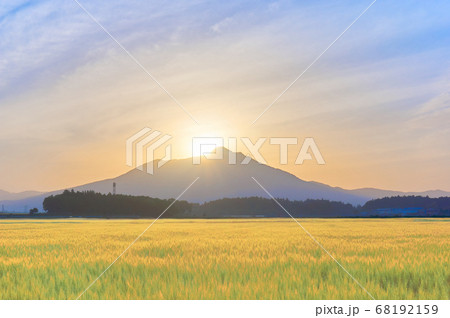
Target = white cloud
(218,27)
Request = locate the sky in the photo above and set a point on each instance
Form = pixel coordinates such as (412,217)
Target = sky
(377,103)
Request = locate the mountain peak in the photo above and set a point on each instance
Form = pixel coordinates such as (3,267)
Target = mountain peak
(227,153)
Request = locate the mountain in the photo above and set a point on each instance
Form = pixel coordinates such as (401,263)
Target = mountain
(4,195)
(373,193)
(217,179)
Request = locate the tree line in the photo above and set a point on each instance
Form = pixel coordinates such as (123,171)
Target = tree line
(257,206)
(412,201)
(92,204)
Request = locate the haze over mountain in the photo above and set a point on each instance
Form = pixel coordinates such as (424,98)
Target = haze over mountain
(373,193)
(218,179)
(5,195)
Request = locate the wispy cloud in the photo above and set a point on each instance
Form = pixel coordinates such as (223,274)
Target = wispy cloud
(65,86)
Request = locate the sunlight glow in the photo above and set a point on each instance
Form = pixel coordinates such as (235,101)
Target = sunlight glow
(204,150)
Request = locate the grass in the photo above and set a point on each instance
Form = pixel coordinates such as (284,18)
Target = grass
(225,259)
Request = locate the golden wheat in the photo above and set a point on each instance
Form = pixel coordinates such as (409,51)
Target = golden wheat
(225,259)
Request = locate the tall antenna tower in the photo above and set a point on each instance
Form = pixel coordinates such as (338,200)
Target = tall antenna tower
(114,188)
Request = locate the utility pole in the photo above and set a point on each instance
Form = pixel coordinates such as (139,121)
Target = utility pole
(114,188)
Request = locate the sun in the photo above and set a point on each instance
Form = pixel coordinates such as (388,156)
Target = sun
(205,146)
(205,149)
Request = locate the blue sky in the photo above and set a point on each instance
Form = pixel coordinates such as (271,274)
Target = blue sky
(377,102)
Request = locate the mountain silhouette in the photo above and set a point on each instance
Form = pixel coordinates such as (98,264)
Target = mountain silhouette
(5,195)
(217,179)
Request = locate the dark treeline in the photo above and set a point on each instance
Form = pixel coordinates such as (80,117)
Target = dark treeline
(398,202)
(91,204)
(256,206)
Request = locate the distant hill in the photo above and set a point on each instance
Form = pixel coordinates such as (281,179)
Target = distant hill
(4,195)
(378,193)
(217,180)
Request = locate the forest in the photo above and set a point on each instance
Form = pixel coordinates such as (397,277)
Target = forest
(91,204)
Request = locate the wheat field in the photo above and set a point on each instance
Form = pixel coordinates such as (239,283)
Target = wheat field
(225,259)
